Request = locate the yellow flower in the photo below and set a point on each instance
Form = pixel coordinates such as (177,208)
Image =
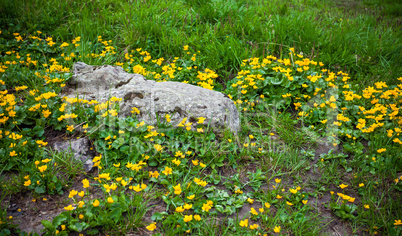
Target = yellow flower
(289,203)
(304,202)
(81,194)
(95,203)
(46,160)
(70,128)
(81,216)
(177,189)
(27,183)
(72,193)
(167,170)
(249,200)
(267,205)
(46,113)
(135,110)
(81,204)
(179,209)
(151,227)
(294,191)
(69,208)
(366,206)
(398,222)
(201,120)
(238,191)
(253,211)
(342,186)
(381,150)
(154,174)
(244,223)
(277,229)
(64,44)
(110,200)
(197,217)
(176,161)
(13,154)
(191,197)
(195,162)
(277,181)
(85,182)
(254,226)
(206,207)
(42,168)
(137,188)
(361,185)
(158,147)
(188,206)
(188,218)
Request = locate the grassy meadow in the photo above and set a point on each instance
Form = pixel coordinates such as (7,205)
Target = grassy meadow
(317,84)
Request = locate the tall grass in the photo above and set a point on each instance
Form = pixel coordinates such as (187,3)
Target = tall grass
(362,38)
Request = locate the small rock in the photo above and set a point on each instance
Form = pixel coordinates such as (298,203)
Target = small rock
(80,148)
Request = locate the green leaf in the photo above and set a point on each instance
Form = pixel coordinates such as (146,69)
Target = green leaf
(164,182)
(78,226)
(58,220)
(219,208)
(48,225)
(125,149)
(157,216)
(39,131)
(54,179)
(115,214)
(153,163)
(92,231)
(276,81)
(283,217)
(39,190)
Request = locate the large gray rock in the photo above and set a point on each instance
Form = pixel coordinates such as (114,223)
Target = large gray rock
(152,98)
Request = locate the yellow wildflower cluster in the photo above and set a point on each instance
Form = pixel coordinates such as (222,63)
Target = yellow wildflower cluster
(346,197)
(207,79)
(137,166)
(200,182)
(207,206)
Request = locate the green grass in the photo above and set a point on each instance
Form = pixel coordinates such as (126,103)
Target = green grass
(289,153)
(364,44)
